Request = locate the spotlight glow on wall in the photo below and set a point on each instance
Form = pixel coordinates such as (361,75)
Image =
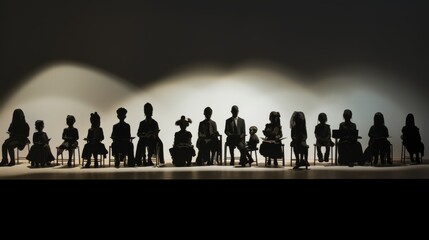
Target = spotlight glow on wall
(256,88)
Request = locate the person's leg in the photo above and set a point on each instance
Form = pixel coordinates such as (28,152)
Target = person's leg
(160,153)
(4,149)
(319,153)
(130,154)
(139,153)
(327,153)
(231,152)
(71,151)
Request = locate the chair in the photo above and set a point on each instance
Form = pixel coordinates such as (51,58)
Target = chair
(405,156)
(125,159)
(100,160)
(17,152)
(225,156)
(283,157)
(331,153)
(385,160)
(256,154)
(218,152)
(120,157)
(225,149)
(73,158)
(292,158)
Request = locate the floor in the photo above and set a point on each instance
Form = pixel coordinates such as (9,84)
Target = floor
(320,171)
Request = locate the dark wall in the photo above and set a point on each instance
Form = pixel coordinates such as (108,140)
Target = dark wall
(142,41)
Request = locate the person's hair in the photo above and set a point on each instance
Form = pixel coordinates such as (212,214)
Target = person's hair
(273,115)
(322,117)
(71,119)
(183,120)
(121,111)
(254,128)
(148,109)
(409,121)
(378,119)
(208,111)
(234,108)
(18,116)
(94,118)
(347,112)
(297,117)
(39,123)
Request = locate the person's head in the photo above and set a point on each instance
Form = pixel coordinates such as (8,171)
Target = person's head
(409,121)
(322,118)
(148,110)
(347,115)
(208,112)
(39,125)
(183,122)
(275,117)
(121,113)
(18,116)
(298,118)
(95,119)
(70,120)
(253,130)
(234,111)
(378,119)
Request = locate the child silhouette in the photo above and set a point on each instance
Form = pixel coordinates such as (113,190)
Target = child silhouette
(40,153)
(70,137)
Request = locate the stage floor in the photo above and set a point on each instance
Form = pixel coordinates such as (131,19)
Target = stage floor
(169,172)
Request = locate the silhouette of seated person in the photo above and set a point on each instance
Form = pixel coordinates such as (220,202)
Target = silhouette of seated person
(349,149)
(18,137)
(378,144)
(40,154)
(299,139)
(271,146)
(412,140)
(94,138)
(148,137)
(208,142)
(252,144)
(122,145)
(235,129)
(322,132)
(70,137)
(182,150)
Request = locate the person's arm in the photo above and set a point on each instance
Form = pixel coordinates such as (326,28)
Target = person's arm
(65,134)
(227,132)
(243,129)
(35,138)
(128,131)
(200,131)
(189,140)
(101,135)
(279,133)
(140,130)
(77,134)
